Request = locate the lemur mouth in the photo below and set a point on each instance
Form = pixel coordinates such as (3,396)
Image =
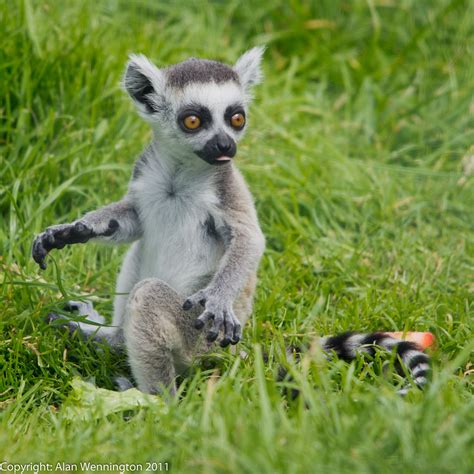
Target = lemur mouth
(214,160)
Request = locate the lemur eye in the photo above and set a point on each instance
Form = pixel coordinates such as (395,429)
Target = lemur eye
(237,121)
(192,122)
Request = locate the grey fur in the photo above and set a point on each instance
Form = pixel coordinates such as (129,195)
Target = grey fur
(189,276)
(195,70)
(140,165)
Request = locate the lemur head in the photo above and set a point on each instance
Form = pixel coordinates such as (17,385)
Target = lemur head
(197,107)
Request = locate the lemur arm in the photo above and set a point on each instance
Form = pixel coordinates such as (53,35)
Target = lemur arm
(244,243)
(116,223)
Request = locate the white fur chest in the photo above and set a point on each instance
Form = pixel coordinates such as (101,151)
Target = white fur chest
(175,206)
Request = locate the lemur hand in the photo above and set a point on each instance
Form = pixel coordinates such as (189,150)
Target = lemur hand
(218,311)
(58,236)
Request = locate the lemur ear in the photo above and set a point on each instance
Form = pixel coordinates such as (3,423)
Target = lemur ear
(144,83)
(248,67)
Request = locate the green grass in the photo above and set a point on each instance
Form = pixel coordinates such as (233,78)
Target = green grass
(355,157)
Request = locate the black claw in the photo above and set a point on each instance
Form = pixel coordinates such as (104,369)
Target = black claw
(187,305)
(202,302)
(235,341)
(212,336)
(225,342)
(198,324)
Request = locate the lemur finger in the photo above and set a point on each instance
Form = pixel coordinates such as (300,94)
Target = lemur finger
(39,252)
(237,332)
(76,233)
(203,319)
(56,238)
(198,297)
(41,247)
(198,324)
(188,304)
(228,332)
(216,327)
(48,239)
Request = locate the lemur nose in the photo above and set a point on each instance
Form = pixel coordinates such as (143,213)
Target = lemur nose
(224,146)
(224,143)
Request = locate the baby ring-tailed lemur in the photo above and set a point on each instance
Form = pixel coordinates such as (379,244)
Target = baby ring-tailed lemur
(197,241)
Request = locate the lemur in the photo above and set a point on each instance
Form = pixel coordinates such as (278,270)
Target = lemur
(196,238)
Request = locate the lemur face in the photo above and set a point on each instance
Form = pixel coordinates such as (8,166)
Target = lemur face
(210,118)
(197,107)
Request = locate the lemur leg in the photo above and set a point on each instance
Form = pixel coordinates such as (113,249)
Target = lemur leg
(159,336)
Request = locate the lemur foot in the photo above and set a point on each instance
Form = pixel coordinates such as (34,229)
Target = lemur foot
(82,309)
(220,313)
(71,326)
(122,383)
(58,236)
(93,326)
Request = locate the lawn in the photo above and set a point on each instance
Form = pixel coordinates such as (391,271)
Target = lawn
(358,153)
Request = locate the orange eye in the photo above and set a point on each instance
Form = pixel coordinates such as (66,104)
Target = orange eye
(237,120)
(192,122)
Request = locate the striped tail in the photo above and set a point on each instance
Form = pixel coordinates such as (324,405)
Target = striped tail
(347,345)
